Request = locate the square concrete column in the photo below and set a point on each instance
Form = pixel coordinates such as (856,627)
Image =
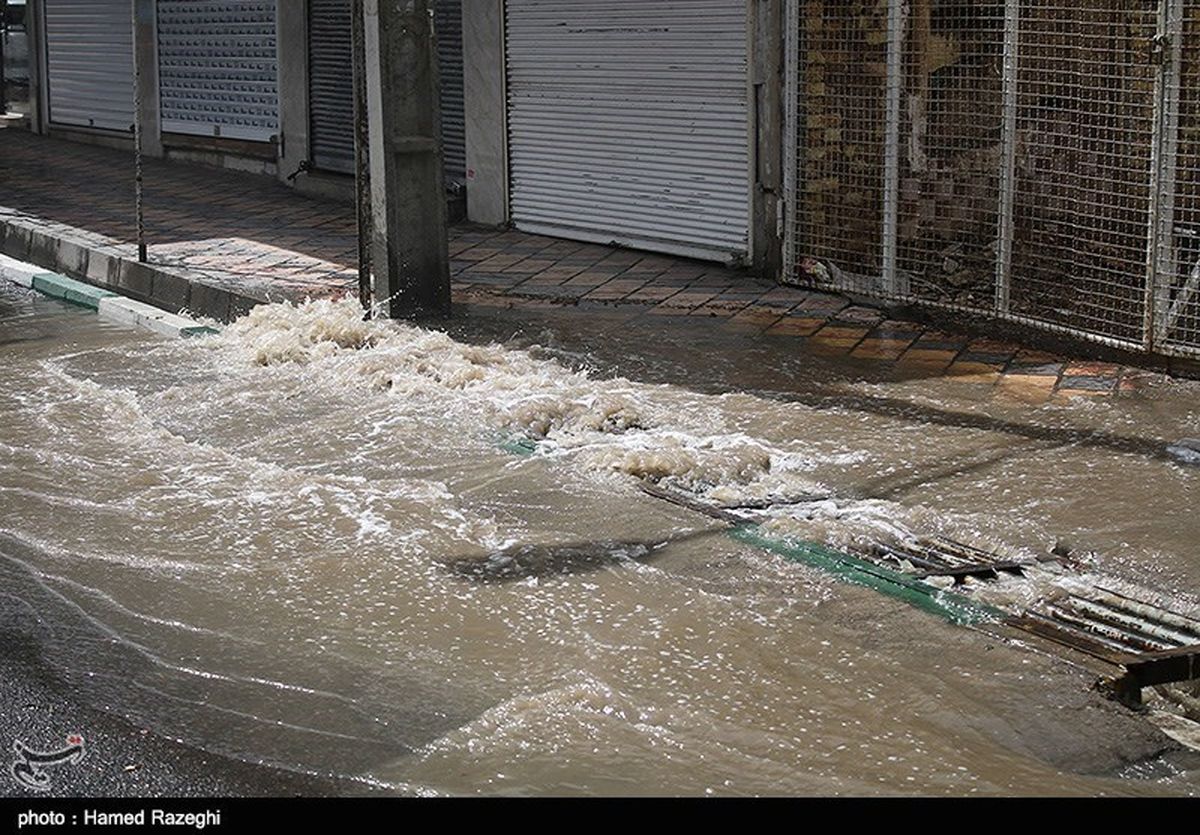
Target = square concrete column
(145,56)
(291,45)
(409,257)
(486,103)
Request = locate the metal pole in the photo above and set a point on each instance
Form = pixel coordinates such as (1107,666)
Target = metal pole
(1008,157)
(137,145)
(790,204)
(362,160)
(3,40)
(895,286)
(1158,320)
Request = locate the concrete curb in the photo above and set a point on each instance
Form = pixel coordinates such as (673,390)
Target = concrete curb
(69,290)
(106,303)
(131,312)
(95,260)
(18,272)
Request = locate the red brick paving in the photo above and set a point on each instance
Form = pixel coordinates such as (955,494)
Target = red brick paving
(235,228)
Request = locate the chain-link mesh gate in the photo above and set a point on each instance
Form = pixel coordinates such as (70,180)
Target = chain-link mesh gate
(1010,157)
(838,120)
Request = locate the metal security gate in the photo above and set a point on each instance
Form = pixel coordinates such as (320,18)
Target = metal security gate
(217,68)
(331,87)
(89,62)
(448,22)
(628,122)
(1025,159)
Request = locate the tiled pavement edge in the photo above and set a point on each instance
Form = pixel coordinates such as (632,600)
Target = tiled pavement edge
(221,242)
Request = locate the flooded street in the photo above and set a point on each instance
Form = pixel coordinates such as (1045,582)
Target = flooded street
(312,541)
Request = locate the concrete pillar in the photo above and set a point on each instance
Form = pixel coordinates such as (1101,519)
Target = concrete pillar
(291,39)
(145,57)
(38,92)
(485,100)
(766,106)
(409,245)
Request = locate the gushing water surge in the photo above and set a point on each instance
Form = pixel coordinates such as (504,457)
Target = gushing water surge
(307,540)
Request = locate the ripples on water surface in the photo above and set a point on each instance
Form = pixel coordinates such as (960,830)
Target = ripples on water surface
(303,540)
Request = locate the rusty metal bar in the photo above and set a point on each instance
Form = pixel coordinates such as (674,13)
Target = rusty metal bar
(1149,611)
(1068,636)
(1124,619)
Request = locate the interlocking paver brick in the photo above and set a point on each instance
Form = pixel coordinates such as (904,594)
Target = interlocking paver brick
(238,230)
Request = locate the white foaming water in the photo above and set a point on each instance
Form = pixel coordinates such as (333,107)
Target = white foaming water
(610,425)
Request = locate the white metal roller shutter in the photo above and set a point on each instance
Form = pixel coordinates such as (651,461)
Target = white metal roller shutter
(217,68)
(330,86)
(628,122)
(89,61)
(448,20)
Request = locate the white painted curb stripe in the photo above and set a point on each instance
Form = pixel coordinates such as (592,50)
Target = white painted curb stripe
(113,307)
(19,272)
(130,312)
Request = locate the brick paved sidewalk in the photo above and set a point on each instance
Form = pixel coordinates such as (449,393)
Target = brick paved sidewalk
(254,233)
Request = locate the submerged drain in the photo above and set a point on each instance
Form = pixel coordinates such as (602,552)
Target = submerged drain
(1141,641)
(1145,642)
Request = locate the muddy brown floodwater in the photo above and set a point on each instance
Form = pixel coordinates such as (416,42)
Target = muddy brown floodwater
(305,541)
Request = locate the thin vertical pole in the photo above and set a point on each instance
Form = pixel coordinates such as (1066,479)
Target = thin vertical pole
(789,204)
(362,161)
(3,40)
(1161,233)
(137,144)
(1008,157)
(893,285)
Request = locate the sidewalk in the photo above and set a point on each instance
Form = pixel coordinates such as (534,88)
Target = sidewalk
(220,241)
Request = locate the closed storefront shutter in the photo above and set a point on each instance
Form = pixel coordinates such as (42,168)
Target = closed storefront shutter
(89,62)
(628,122)
(217,68)
(448,19)
(331,86)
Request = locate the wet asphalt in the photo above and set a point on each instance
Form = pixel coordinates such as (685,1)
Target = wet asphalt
(121,759)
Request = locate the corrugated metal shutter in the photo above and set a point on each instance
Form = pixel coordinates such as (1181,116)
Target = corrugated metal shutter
(448,20)
(628,122)
(330,86)
(89,58)
(217,68)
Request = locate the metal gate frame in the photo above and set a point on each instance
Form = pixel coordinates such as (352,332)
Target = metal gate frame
(1163,304)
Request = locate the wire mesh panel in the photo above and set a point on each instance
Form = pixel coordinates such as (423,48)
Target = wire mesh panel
(1085,134)
(951,147)
(840,109)
(1177,308)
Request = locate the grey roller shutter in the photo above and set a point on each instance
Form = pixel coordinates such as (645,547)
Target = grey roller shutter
(448,20)
(330,86)
(628,122)
(217,68)
(89,62)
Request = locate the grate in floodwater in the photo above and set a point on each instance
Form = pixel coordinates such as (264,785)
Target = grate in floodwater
(1148,642)
(938,556)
